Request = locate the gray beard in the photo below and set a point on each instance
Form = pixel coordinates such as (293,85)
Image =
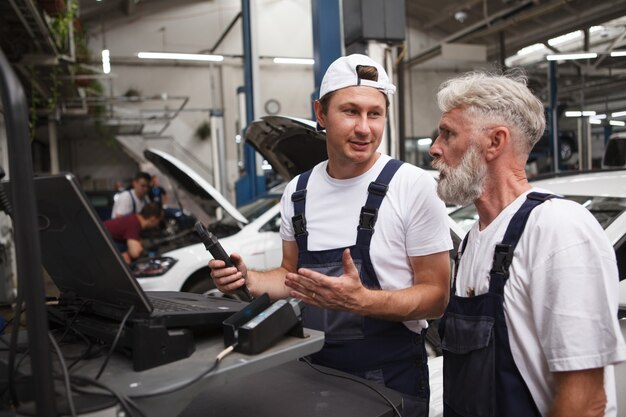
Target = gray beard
(463,184)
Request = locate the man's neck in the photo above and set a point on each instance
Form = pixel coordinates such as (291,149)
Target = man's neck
(501,189)
(343,171)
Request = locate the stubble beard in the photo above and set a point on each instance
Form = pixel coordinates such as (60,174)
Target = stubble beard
(464,183)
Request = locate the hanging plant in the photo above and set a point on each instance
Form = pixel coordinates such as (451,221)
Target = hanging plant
(204,130)
(60,24)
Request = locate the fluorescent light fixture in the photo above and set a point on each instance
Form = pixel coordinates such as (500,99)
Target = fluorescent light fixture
(565,38)
(106,61)
(618,114)
(294,61)
(595,121)
(569,57)
(530,49)
(424,142)
(599,116)
(618,53)
(180,57)
(585,113)
(617,123)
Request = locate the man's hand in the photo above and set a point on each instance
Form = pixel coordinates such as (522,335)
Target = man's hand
(345,292)
(228,279)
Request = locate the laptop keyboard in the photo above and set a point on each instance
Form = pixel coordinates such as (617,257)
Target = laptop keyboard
(160,304)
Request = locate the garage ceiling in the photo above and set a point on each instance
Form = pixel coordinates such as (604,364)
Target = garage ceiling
(506,26)
(502,26)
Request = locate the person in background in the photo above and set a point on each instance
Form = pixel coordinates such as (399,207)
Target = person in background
(132,200)
(126,230)
(365,242)
(531,328)
(157,193)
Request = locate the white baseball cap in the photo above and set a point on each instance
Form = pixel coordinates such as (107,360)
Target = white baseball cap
(343,73)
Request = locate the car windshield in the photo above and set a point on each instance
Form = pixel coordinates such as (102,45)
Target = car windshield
(604,209)
(229,225)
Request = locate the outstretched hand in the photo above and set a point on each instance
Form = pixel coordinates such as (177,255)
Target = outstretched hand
(345,292)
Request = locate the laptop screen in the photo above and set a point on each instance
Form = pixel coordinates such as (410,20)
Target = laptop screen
(77,251)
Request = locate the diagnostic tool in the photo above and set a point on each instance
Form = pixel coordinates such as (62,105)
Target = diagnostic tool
(213,245)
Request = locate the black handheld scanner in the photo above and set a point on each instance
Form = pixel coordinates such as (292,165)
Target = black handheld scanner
(215,248)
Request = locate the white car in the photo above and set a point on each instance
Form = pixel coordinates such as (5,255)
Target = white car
(292,146)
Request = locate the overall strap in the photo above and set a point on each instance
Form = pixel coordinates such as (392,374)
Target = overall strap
(503,254)
(376,192)
(457,261)
(299,202)
(132,200)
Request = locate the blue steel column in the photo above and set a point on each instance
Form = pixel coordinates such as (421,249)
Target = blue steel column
(247,186)
(553,119)
(326,38)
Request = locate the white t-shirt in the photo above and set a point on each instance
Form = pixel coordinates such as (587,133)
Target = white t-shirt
(561,296)
(123,204)
(411,220)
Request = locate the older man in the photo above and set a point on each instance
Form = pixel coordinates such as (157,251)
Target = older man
(531,328)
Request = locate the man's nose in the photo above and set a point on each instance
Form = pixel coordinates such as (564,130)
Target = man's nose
(362,125)
(435,149)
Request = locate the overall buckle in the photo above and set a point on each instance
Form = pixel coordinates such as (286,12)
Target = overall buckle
(299,225)
(502,258)
(367,218)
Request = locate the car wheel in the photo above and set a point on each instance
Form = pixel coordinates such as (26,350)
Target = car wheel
(567,150)
(203,286)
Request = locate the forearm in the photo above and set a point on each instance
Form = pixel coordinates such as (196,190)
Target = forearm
(271,282)
(579,394)
(421,301)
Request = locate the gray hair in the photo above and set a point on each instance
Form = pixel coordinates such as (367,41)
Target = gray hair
(498,98)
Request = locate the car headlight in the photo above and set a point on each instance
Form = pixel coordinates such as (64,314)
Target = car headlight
(152,267)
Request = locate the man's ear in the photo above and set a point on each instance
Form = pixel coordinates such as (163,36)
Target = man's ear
(319,114)
(499,138)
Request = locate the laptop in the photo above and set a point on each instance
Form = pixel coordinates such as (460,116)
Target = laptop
(84,263)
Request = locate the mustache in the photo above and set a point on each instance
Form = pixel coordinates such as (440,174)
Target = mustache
(439,165)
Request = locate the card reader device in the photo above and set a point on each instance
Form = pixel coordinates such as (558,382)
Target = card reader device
(262,323)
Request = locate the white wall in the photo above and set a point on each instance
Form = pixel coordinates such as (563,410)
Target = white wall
(283,28)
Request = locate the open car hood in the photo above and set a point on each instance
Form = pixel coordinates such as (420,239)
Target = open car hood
(194,185)
(289,144)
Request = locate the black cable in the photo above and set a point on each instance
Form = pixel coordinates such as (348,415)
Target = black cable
(354,379)
(66,375)
(68,326)
(117,338)
(124,401)
(170,390)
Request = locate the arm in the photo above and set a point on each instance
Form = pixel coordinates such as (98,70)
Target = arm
(427,297)
(121,205)
(135,248)
(272,282)
(579,393)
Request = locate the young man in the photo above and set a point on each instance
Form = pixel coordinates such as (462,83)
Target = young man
(126,230)
(133,200)
(531,328)
(365,242)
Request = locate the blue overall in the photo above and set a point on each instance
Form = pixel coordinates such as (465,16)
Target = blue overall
(383,351)
(480,378)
